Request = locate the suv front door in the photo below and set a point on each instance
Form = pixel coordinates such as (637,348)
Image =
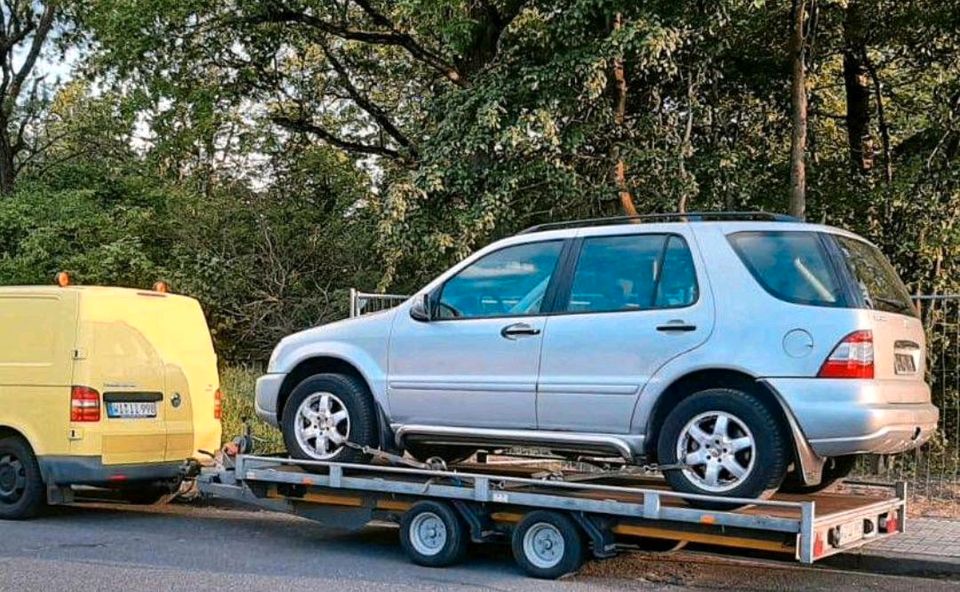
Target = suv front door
(475,363)
(631,303)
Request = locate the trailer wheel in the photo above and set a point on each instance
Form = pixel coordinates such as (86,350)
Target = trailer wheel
(548,545)
(433,535)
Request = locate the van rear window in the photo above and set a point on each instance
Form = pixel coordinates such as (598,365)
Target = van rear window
(793,266)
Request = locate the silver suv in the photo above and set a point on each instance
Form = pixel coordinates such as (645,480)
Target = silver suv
(743,352)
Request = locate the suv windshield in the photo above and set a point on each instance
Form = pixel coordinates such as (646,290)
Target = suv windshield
(877,281)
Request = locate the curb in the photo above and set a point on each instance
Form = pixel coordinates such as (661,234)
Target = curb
(901,564)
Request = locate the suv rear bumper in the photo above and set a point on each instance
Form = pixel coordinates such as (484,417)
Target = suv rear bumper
(90,470)
(849,416)
(268,391)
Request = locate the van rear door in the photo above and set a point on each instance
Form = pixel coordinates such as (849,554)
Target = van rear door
(118,360)
(190,376)
(151,356)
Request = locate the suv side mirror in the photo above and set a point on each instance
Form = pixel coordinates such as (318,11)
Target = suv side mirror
(420,311)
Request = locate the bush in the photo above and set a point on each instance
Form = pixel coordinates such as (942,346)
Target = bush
(237,384)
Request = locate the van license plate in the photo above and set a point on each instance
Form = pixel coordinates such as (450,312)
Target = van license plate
(131,409)
(905,364)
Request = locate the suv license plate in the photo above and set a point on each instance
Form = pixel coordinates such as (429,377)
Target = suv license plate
(904,364)
(132,409)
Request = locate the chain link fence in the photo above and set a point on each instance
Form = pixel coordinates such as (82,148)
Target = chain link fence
(933,470)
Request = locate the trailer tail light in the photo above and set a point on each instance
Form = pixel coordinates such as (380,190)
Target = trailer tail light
(84,404)
(218,405)
(852,358)
(888,523)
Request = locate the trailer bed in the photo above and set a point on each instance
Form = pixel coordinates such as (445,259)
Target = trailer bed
(615,509)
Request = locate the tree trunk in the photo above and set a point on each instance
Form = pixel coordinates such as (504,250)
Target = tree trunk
(856,82)
(619,116)
(798,98)
(8,171)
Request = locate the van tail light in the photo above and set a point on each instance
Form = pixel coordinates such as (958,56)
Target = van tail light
(852,358)
(218,404)
(84,404)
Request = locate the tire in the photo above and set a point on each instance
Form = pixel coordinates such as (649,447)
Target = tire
(146,495)
(449,454)
(342,393)
(22,493)
(837,468)
(762,466)
(432,534)
(535,545)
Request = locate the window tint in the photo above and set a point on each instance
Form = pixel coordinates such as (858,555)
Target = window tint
(877,281)
(633,272)
(793,266)
(508,282)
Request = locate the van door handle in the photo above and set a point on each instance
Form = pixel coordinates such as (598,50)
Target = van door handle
(518,330)
(676,326)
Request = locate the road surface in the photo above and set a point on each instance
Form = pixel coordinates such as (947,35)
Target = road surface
(106,547)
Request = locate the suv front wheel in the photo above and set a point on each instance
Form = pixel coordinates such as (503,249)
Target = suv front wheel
(324,413)
(730,442)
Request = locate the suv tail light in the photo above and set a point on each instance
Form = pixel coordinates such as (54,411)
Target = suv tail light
(84,404)
(218,404)
(852,358)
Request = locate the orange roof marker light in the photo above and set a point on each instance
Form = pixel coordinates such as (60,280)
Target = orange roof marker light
(161,287)
(62,278)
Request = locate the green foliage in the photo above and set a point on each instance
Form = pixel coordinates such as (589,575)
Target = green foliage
(263,262)
(237,384)
(474,119)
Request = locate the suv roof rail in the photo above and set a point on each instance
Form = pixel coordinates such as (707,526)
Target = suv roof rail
(667,217)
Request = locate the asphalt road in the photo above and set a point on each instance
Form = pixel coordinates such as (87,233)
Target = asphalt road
(107,547)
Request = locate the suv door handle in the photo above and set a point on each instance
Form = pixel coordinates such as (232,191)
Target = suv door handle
(676,326)
(518,330)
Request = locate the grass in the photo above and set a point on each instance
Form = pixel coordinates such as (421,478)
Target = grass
(237,383)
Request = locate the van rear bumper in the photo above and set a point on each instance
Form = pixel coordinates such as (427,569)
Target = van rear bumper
(851,416)
(90,470)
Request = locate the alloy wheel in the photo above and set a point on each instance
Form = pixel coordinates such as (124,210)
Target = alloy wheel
(322,425)
(718,449)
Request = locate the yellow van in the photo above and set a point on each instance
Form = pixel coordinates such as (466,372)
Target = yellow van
(108,387)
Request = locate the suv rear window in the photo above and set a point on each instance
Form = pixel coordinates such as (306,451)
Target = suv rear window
(798,267)
(877,281)
(793,266)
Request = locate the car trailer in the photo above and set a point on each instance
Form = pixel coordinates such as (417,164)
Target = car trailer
(553,520)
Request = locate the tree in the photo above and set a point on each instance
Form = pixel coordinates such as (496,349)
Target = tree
(27,29)
(801,14)
(478,118)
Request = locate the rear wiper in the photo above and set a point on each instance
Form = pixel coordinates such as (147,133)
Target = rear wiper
(898,304)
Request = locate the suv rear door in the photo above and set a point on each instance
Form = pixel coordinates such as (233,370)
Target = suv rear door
(631,301)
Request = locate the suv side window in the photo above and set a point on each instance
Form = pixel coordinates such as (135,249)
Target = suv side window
(508,282)
(633,272)
(792,265)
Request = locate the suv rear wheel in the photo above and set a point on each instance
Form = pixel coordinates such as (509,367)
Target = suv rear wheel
(730,442)
(326,411)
